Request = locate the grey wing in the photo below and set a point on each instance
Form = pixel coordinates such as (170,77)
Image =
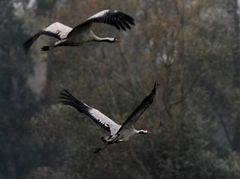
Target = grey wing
(28,43)
(80,30)
(115,18)
(60,29)
(56,30)
(103,120)
(98,117)
(135,115)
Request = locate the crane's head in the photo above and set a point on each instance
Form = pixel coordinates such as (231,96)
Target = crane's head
(116,39)
(143,131)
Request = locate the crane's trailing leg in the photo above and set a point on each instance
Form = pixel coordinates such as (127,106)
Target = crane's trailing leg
(101,148)
(108,140)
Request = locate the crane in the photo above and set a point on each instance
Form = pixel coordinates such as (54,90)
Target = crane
(117,133)
(82,33)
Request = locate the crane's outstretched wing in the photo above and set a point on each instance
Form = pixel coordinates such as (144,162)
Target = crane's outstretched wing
(115,18)
(68,99)
(146,102)
(57,30)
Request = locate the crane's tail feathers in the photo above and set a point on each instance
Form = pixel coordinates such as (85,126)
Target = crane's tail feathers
(48,47)
(45,48)
(67,98)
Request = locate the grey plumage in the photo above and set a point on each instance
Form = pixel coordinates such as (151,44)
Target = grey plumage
(118,133)
(82,33)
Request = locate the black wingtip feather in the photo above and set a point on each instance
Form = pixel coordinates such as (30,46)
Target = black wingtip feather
(153,92)
(66,95)
(67,98)
(124,22)
(121,24)
(28,43)
(115,23)
(115,18)
(129,19)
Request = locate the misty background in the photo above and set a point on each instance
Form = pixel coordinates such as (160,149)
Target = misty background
(191,47)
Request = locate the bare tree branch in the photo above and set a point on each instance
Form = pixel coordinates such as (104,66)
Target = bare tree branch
(187,92)
(139,162)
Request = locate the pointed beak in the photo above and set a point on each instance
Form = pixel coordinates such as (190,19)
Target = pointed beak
(117,40)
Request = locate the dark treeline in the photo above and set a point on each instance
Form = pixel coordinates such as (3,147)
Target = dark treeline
(190,47)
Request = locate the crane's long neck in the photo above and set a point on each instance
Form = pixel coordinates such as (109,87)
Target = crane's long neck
(141,131)
(101,39)
(104,39)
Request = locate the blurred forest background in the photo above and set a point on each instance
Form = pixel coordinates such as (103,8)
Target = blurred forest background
(191,47)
